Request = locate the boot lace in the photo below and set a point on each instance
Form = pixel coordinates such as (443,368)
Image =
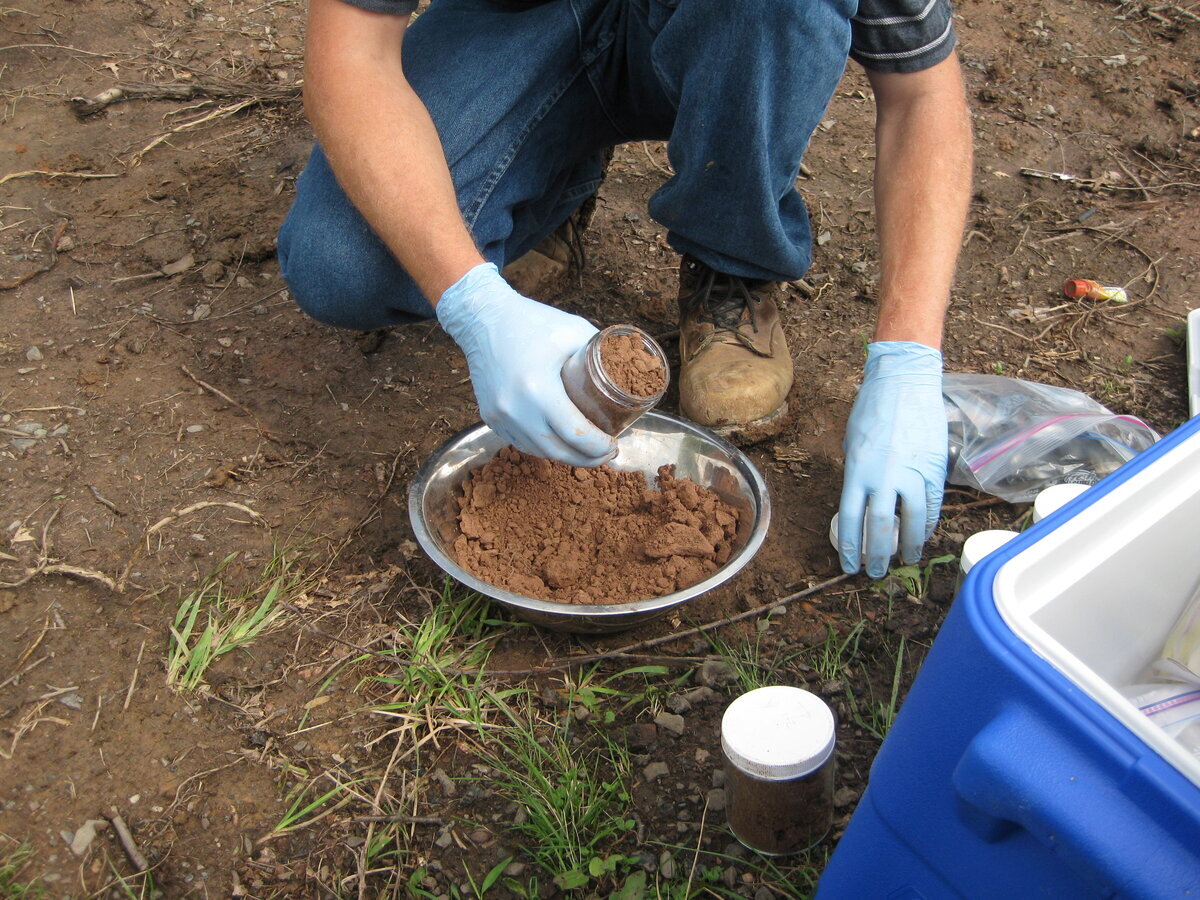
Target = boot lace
(723,299)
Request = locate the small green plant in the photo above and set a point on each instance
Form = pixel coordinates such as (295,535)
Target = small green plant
(530,890)
(575,797)
(304,809)
(998,367)
(832,656)
(591,693)
(131,887)
(752,667)
(878,717)
(916,578)
(701,878)
(13,883)
(215,619)
(440,683)
(1178,334)
(488,880)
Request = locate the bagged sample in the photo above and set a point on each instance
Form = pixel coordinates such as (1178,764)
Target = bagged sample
(1012,438)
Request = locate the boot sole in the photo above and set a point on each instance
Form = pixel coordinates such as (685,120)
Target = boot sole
(743,433)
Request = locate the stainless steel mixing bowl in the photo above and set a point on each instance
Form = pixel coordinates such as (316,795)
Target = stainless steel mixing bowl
(652,441)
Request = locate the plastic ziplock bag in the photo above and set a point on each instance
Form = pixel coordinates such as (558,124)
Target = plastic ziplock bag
(1181,649)
(1012,438)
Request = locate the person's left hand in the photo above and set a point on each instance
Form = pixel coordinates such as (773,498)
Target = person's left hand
(896,447)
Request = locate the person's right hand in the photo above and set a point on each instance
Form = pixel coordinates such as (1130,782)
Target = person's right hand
(515,349)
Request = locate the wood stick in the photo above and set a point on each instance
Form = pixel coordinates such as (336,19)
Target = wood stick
(29,173)
(128,844)
(568,662)
(406,820)
(88,106)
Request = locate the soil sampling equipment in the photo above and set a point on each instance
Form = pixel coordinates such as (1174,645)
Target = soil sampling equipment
(1016,767)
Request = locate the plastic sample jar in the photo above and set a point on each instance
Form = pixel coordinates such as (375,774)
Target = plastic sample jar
(779,769)
(1053,497)
(979,545)
(616,376)
(833,534)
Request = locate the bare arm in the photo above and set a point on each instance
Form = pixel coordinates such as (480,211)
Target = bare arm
(362,109)
(922,189)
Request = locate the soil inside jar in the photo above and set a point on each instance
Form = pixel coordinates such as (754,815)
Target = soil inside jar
(779,817)
(632,367)
(589,536)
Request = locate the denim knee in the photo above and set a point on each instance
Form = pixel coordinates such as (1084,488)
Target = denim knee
(771,13)
(345,279)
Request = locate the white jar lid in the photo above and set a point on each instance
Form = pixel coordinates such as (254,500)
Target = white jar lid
(833,534)
(1051,498)
(777,732)
(980,544)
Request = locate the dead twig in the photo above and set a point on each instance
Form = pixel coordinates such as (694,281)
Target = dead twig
(128,844)
(406,820)
(974,504)
(214,90)
(29,173)
(220,113)
(552,665)
(21,279)
(166,520)
(47,566)
(104,501)
(217,392)
(701,629)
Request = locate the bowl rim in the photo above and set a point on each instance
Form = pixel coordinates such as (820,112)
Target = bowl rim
(733,565)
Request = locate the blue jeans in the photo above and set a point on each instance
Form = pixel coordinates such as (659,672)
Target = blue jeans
(527,102)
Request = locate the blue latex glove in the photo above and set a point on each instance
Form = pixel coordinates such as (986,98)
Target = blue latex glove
(895,447)
(515,349)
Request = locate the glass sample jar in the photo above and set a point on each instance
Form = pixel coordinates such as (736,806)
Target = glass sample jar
(1054,497)
(616,376)
(833,535)
(977,546)
(779,769)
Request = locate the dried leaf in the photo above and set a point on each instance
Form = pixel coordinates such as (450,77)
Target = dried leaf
(180,265)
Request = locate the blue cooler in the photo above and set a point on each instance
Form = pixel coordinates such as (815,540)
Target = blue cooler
(1015,768)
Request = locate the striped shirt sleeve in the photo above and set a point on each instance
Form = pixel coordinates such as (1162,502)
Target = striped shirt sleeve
(902,35)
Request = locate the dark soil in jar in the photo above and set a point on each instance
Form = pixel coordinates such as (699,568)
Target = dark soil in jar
(779,817)
(595,536)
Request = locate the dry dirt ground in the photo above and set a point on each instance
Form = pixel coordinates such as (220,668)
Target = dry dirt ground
(164,406)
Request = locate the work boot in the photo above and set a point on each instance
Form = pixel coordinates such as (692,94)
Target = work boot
(557,256)
(736,370)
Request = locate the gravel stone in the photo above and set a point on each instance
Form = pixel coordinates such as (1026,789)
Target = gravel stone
(716,800)
(655,770)
(213,271)
(642,736)
(844,797)
(702,694)
(715,673)
(670,721)
(34,354)
(666,865)
(678,704)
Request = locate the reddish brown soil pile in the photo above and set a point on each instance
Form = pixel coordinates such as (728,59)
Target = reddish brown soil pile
(556,532)
(632,367)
